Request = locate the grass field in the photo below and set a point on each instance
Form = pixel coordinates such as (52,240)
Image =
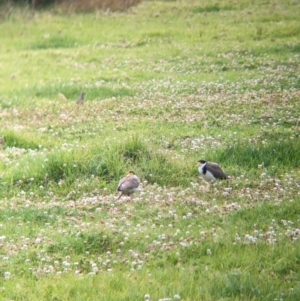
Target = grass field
(167,83)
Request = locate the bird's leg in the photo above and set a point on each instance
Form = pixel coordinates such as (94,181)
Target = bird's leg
(120,196)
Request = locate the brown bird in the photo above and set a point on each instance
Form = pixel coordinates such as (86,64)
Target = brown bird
(211,172)
(129,184)
(80,99)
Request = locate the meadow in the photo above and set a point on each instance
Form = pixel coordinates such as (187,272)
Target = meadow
(167,83)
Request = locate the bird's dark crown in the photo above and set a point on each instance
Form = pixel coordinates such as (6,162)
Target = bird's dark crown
(202,161)
(132,172)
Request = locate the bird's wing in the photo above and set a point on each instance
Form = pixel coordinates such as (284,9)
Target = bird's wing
(121,183)
(216,170)
(128,183)
(137,181)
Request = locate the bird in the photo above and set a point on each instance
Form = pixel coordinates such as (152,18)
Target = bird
(80,99)
(129,184)
(210,171)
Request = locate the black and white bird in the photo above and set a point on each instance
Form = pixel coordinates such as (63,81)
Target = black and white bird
(80,99)
(211,172)
(129,184)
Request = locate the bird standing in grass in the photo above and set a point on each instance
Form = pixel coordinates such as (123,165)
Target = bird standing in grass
(80,99)
(129,184)
(211,172)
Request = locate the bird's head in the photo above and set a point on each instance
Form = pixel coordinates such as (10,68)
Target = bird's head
(200,162)
(131,173)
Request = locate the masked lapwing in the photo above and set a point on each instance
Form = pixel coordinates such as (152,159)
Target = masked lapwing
(129,184)
(80,99)
(211,172)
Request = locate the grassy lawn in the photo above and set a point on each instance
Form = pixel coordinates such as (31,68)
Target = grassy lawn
(167,83)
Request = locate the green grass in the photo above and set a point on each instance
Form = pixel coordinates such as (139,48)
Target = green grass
(14,139)
(167,83)
(282,154)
